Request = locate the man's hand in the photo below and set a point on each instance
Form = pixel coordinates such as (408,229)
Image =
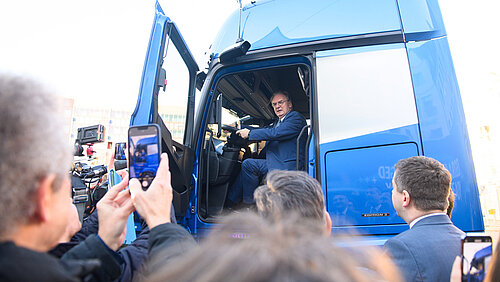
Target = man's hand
(243,133)
(114,209)
(154,204)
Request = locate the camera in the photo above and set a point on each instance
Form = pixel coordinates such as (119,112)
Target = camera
(88,135)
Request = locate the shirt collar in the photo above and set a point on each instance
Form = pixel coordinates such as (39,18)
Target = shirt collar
(424,216)
(281,119)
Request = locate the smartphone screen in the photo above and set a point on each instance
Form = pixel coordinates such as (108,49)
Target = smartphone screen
(120,151)
(144,153)
(476,256)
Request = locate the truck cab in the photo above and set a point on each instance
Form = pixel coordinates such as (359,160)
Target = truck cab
(374,81)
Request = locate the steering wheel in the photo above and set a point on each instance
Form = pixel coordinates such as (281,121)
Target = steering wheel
(231,129)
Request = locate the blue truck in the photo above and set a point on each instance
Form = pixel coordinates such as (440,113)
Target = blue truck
(374,80)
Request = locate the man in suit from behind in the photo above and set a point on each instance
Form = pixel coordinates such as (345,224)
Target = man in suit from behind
(425,252)
(280,149)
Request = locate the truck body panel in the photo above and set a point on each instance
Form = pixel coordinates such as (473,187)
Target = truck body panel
(375,82)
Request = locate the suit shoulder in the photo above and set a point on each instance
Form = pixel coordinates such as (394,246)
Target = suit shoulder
(296,116)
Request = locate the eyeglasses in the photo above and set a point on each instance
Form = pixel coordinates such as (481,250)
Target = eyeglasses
(280,103)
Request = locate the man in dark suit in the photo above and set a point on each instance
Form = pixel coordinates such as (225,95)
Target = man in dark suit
(280,149)
(425,252)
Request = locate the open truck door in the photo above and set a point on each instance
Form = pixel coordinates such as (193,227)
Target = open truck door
(165,38)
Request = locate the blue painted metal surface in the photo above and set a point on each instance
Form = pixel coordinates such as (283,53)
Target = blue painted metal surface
(443,126)
(281,22)
(143,113)
(421,19)
(347,51)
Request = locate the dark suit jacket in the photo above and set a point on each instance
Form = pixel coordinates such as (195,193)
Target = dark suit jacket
(426,252)
(281,146)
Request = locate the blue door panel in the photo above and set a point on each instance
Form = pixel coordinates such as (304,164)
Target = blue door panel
(443,126)
(359,184)
(356,177)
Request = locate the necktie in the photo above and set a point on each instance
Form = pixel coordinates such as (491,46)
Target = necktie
(277,123)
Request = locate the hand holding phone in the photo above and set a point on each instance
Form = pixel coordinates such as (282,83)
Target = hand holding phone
(154,205)
(144,153)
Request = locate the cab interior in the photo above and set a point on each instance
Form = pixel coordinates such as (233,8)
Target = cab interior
(245,100)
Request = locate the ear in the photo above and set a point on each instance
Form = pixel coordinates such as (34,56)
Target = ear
(406,198)
(328,220)
(44,198)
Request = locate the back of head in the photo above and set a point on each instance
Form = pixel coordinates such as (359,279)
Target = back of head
(288,192)
(33,144)
(426,180)
(246,247)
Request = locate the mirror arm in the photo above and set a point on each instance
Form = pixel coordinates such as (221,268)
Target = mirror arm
(218,105)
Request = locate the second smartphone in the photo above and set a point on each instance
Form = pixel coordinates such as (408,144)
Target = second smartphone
(144,148)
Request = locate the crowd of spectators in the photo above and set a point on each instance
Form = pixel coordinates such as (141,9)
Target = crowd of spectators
(288,239)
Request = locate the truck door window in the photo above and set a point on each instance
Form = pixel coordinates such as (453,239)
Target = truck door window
(172,104)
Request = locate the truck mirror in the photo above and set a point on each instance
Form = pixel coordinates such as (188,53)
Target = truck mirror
(162,79)
(200,79)
(234,51)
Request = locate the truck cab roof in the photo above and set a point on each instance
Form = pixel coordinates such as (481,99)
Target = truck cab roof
(294,22)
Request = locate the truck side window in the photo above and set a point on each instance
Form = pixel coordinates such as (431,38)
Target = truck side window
(172,104)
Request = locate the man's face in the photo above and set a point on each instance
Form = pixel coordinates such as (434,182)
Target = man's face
(59,211)
(281,105)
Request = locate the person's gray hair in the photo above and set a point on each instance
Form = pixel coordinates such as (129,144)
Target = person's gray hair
(426,180)
(291,191)
(280,92)
(33,144)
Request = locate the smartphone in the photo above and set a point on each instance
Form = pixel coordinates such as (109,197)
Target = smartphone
(476,256)
(120,151)
(144,148)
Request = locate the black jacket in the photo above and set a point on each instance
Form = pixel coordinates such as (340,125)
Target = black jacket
(133,256)
(166,243)
(21,264)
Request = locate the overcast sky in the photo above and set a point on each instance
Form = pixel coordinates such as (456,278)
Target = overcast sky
(94,50)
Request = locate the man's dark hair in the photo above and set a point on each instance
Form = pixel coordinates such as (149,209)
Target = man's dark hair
(426,180)
(290,191)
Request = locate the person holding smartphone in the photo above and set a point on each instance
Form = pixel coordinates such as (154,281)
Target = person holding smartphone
(35,188)
(154,206)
